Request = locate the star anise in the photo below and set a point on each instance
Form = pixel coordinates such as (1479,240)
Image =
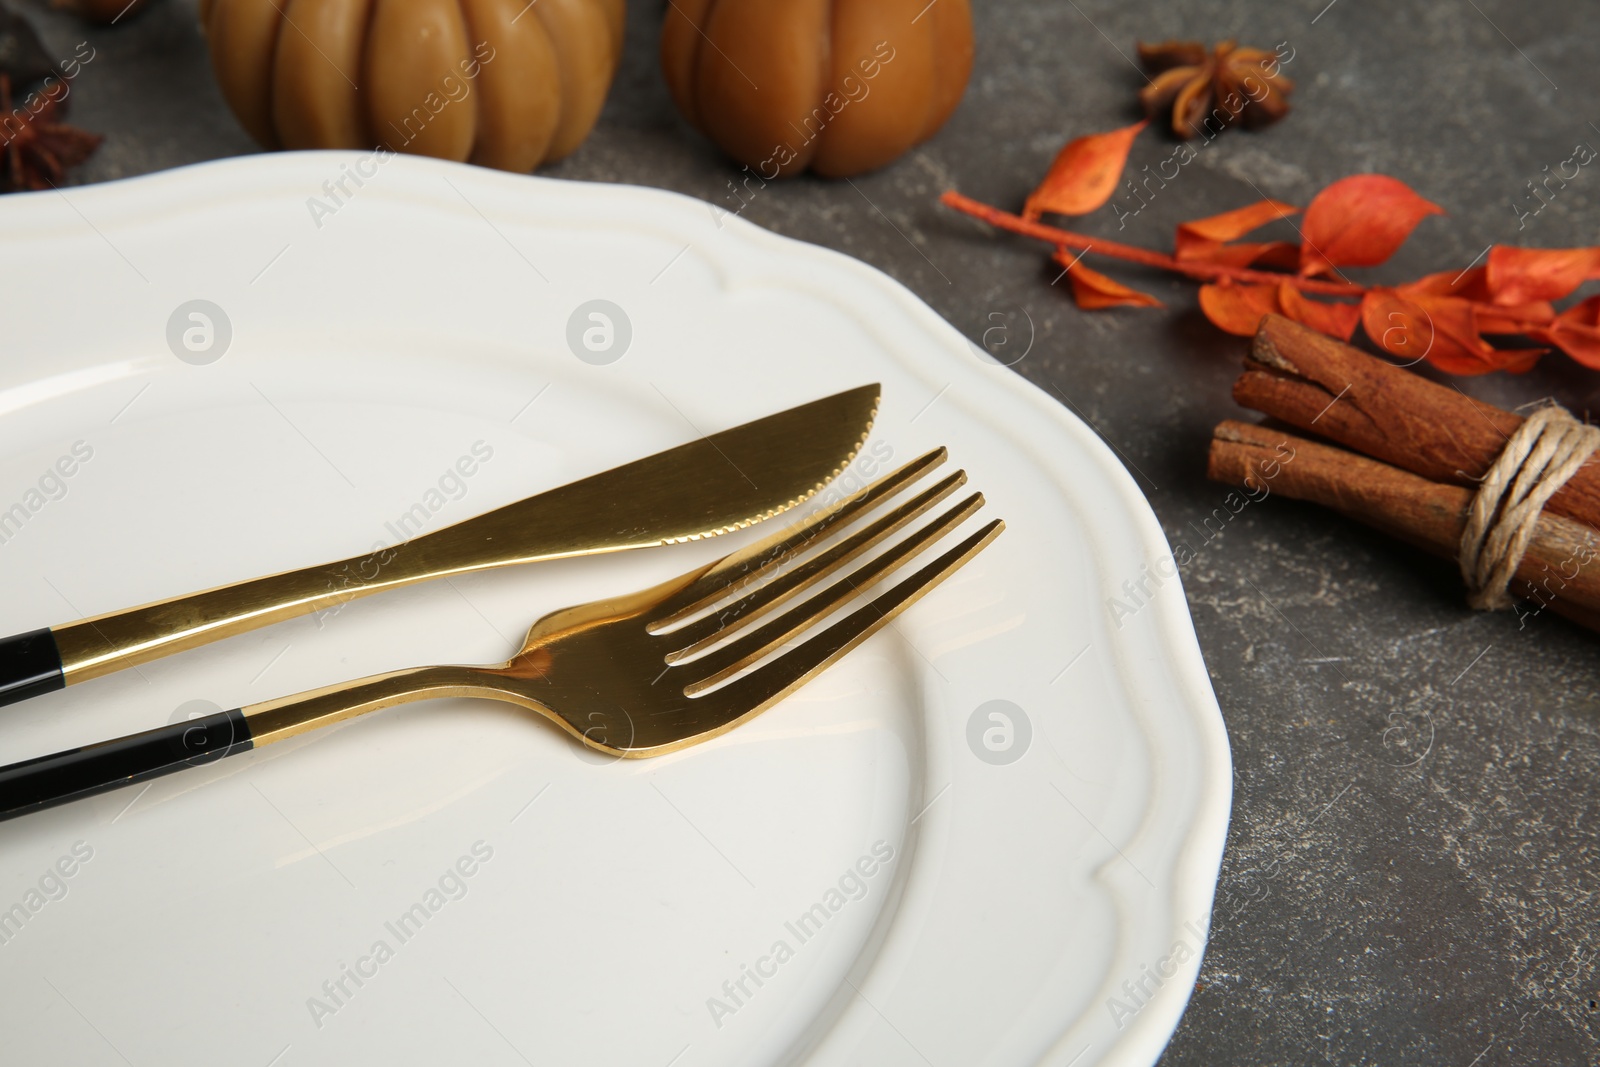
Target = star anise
(1207,92)
(38,148)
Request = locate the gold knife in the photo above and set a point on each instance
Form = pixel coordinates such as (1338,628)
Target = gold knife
(719,483)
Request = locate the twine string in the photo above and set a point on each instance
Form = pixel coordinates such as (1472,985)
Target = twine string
(1544,453)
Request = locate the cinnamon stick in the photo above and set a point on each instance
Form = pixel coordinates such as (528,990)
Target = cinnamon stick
(1335,391)
(1561,569)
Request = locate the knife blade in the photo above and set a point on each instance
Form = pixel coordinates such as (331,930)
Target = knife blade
(718,483)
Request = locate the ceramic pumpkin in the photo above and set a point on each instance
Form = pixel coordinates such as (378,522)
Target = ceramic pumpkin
(502,83)
(837,86)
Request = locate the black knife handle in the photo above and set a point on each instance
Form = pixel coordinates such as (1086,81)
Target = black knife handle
(29,666)
(80,772)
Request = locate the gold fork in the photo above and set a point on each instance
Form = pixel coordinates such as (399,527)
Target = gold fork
(635,676)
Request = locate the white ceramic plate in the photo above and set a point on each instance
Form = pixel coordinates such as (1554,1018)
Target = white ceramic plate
(1039,883)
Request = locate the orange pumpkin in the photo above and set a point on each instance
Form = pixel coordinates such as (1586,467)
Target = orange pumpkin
(839,86)
(503,83)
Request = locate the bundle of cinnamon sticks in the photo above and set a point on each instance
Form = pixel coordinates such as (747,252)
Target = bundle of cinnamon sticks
(1413,453)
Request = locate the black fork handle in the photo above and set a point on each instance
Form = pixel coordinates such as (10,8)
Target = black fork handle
(30,665)
(81,772)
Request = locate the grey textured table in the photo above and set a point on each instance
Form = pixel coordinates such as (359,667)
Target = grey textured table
(1412,866)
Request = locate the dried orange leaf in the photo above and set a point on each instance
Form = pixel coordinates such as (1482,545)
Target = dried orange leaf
(1396,325)
(1231,225)
(1205,240)
(1520,318)
(1359,221)
(1084,174)
(1441,329)
(1093,290)
(1239,309)
(1524,275)
(1280,255)
(1459,346)
(1517,360)
(1335,320)
(1467,283)
(1576,331)
(1472,284)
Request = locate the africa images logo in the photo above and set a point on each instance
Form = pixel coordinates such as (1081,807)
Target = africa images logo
(852,885)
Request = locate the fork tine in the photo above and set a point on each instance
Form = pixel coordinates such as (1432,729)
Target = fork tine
(750,563)
(783,675)
(726,660)
(699,634)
